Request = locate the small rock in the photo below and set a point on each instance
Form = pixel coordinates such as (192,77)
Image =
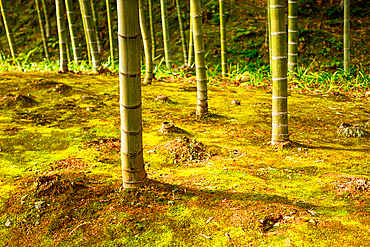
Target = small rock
(235,102)
(245,78)
(38,204)
(162,98)
(8,222)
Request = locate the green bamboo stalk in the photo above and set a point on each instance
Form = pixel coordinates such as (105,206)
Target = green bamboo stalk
(292,35)
(133,171)
(8,29)
(73,32)
(279,73)
(42,29)
(202,98)
(110,29)
(47,20)
(85,31)
(68,46)
(346,36)
(182,32)
(223,38)
(91,35)
(147,45)
(96,25)
(269,33)
(62,35)
(191,43)
(152,32)
(166,35)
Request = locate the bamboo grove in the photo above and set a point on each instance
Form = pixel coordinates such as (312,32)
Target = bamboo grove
(78,34)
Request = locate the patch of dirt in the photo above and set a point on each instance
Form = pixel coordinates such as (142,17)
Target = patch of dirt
(348,130)
(186,150)
(11,100)
(58,87)
(54,184)
(113,144)
(353,186)
(35,117)
(70,163)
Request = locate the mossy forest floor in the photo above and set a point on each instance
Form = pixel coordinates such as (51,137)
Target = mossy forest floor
(222,185)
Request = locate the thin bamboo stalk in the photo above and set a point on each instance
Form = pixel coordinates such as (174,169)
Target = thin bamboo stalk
(223,38)
(279,73)
(96,25)
(42,29)
(292,35)
(269,33)
(191,43)
(182,32)
(8,29)
(147,45)
(202,98)
(152,32)
(346,36)
(110,29)
(73,32)
(91,35)
(166,35)
(47,20)
(133,171)
(62,35)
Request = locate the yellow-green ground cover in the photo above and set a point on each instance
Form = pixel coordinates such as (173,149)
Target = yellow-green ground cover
(61,131)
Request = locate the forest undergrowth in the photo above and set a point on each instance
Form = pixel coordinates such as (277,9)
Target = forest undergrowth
(215,181)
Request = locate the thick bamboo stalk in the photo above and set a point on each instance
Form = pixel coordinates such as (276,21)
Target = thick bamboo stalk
(96,25)
(202,98)
(42,29)
(182,32)
(8,29)
(346,36)
(152,32)
(279,73)
(191,43)
(73,32)
(133,172)
(47,20)
(166,34)
(91,35)
(110,29)
(223,39)
(85,32)
(292,35)
(147,45)
(62,35)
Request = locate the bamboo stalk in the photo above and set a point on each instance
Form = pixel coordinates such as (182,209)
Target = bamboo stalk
(191,43)
(91,35)
(202,98)
(110,29)
(152,32)
(62,35)
(85,31)
(47,20)
(147,46)
(96,25)
(8,29)
(279,73)
(223,38)
(42,29)
(73,32)
(133,172)
(292,35)
(166,35)
(346,36)
(269,33)
(182,32)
